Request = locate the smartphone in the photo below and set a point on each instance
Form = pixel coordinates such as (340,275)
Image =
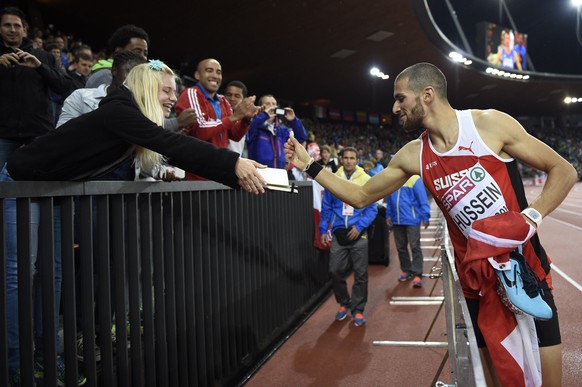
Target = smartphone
(280,111)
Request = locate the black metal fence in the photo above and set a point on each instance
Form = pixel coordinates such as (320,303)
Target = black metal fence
(197,281)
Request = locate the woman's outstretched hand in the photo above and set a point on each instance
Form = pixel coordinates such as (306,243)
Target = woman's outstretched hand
(248,177)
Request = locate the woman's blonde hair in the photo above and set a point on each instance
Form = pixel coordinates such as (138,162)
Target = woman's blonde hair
(144,81)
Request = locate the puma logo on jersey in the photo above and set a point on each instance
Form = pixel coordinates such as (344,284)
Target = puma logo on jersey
(465,148)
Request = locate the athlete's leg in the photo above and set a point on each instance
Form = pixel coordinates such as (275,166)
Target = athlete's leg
(551,358)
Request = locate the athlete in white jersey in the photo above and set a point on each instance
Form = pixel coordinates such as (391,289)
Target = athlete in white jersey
(420,92)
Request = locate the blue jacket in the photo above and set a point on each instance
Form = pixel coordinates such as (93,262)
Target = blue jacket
(409,205)
(377,169)
(332,208)
(268,149)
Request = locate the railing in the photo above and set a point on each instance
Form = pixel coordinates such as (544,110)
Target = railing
(199,280)
(465,362)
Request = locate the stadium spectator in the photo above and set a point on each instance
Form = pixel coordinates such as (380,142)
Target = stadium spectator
(80,69)
(127,37)
(216,122)
(349,245)
(326,160)
(235,92)
(406,210)
(24,114)
(269,131)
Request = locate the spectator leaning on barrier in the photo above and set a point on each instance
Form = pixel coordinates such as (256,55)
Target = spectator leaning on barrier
(94,143)
(406,209)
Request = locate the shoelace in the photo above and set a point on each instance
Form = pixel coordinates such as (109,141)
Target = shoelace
(531,284)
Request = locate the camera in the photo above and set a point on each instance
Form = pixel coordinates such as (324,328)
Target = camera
(280,111)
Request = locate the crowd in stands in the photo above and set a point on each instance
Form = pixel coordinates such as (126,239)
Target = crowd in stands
(565,140)
(368,138)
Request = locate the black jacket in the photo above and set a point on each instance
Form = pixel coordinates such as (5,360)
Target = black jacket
(97,141)
(25,109)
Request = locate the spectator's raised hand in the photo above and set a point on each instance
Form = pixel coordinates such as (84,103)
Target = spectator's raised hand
(248,177)
(187,118)
(26,59)
(269,110)
(8,60)
(289,114)
(245,109)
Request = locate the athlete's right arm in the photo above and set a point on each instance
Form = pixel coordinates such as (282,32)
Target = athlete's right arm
(403,165)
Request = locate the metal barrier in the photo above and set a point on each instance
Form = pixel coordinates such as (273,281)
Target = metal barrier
(465,361)
(198,280)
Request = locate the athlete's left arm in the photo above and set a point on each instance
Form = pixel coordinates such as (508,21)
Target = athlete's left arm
(506,136)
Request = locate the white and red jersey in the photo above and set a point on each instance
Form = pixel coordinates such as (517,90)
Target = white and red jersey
(471,182)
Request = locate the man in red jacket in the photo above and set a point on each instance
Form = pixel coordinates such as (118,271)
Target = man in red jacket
(216,121)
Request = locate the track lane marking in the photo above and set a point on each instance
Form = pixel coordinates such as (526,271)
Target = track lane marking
(565,223)
(567,277)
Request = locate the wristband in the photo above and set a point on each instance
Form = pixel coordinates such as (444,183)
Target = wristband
(533,215)
(313,169)
(311,160)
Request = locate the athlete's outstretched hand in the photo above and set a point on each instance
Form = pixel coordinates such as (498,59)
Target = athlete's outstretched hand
(296,153)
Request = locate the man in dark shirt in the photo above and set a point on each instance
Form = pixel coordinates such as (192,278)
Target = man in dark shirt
(26,74)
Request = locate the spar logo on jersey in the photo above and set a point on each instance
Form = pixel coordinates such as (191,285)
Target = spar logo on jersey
(449,180)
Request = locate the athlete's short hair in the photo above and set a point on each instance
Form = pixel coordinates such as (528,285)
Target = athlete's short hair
(422,75)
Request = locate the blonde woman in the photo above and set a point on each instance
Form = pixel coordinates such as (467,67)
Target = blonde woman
(128,125)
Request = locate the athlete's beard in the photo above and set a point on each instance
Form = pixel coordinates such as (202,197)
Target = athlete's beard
(414,119)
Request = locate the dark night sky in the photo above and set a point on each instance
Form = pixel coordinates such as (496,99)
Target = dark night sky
(549,24)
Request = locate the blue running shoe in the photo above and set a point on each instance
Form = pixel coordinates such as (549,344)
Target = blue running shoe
(520,291)
(341,313)
(359,319)
(404,276)
(417,282)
